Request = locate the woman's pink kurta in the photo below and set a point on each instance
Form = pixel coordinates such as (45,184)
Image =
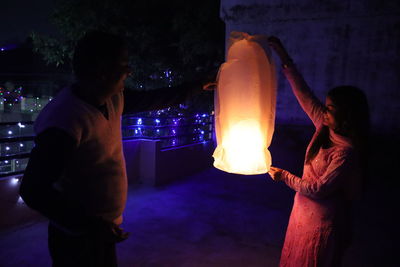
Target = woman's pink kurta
(319,222)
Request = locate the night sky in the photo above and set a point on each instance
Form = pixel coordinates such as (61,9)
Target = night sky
(20,17)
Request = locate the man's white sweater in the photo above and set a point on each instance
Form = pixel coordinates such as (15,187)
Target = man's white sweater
(95,175)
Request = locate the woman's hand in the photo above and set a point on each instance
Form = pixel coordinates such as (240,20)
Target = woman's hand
(275,173)
(278,47)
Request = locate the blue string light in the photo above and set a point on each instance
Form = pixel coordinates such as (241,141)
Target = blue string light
(170,126)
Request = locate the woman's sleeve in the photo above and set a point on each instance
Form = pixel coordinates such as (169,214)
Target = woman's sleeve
(307,100)
(338,169)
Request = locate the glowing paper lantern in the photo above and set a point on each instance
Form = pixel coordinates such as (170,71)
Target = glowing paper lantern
(245,103)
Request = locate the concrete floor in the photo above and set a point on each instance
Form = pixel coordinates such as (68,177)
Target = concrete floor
(214,218)
(209,219)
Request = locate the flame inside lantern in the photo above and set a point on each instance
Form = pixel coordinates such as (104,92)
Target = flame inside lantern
(244,151)
(245,108)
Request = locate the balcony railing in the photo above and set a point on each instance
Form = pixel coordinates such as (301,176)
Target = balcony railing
(172,128)
(173,131)
(16,142)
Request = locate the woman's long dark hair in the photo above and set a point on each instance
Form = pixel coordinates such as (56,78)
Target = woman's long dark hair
(352,119)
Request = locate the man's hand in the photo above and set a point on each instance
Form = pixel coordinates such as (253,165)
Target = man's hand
(210,86)
(275,173)
(107,231)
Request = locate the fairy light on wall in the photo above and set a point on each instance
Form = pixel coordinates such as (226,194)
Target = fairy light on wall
(14,181)
(171,127)
(20,201)
(34,104)
(10,95)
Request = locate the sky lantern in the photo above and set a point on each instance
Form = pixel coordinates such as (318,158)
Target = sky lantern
(245,102)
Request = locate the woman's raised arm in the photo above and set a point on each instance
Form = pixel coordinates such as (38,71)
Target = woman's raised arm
(306,98)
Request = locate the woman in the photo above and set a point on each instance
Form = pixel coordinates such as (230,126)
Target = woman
(320,222)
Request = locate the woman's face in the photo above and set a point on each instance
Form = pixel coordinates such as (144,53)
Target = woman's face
(330,114)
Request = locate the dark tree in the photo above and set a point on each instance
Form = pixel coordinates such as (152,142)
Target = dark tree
(186,37)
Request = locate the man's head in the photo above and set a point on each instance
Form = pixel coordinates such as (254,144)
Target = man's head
(101,59)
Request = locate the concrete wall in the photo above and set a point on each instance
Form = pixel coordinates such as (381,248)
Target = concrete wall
(148,163)
(354,42)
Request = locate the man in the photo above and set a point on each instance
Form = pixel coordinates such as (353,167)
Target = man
(76,174)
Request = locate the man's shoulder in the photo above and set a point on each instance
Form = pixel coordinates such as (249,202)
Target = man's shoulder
(64,112)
